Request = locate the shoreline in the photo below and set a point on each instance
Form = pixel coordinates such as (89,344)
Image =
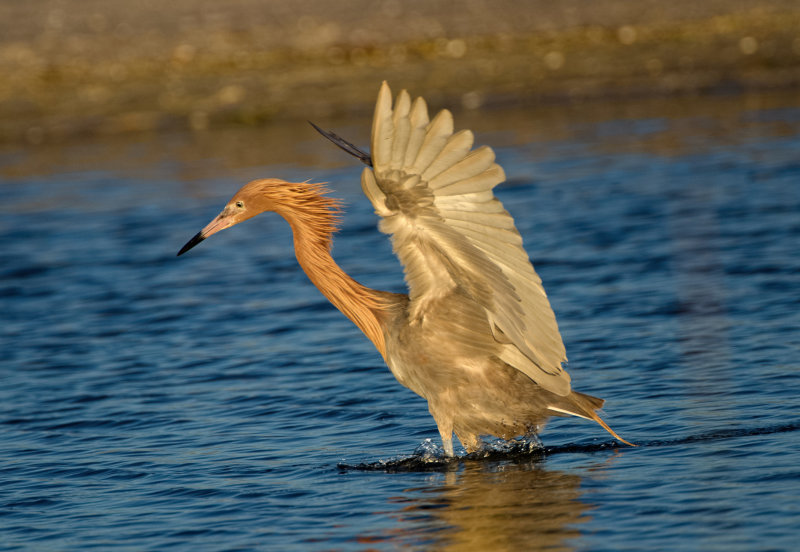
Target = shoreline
(213,78)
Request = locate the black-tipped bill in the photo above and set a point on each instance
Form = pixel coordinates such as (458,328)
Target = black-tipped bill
(191,243)
(221,222)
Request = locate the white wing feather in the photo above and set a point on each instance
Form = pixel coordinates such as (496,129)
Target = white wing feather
(435,196)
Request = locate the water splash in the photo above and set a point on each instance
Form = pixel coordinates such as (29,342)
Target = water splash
(524,445)
(430,456)
(429,451)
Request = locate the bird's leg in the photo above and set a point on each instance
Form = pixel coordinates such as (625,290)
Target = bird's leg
(470,441)
(446,431)
(447,443)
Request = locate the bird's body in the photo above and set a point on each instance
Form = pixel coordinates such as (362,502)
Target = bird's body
(471,392)
(475,336)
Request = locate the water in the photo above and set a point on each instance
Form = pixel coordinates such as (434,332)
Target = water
(217,402)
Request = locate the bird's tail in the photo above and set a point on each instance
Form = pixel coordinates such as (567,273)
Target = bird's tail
(584,406)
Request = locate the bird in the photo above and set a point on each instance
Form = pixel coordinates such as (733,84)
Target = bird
(475,335)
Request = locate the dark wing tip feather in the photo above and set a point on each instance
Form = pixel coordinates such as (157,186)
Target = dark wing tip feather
(345,145)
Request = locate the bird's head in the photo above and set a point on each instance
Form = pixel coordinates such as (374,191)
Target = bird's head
(252,199)
(272,194)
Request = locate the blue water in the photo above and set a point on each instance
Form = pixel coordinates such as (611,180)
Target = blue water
(216,401)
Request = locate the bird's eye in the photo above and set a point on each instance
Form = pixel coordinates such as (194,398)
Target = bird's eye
(240,204)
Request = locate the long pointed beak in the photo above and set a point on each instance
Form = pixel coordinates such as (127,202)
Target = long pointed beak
(191,243)
(221,222)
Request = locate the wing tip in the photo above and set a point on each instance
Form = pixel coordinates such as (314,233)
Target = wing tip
(382,128)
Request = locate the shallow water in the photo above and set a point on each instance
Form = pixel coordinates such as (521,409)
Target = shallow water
(217,401)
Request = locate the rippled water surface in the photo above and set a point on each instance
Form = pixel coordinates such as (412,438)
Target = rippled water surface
(216,401)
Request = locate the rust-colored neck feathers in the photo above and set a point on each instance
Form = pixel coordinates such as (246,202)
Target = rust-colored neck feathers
(314,217)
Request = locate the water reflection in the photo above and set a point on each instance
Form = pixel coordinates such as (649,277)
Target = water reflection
(497,506)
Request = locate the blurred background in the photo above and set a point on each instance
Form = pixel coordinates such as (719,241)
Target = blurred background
(217,401)
(89,67)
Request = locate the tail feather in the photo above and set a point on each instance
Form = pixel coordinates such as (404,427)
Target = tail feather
(600,421)
(584,406)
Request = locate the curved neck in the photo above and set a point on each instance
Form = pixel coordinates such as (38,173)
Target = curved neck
(364,306)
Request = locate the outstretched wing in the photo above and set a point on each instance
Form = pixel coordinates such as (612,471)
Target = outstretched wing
(434,193)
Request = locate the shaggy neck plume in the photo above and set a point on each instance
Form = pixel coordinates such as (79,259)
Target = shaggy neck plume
(313,218)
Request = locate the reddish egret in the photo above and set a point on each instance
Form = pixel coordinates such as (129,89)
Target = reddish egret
(475,336)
